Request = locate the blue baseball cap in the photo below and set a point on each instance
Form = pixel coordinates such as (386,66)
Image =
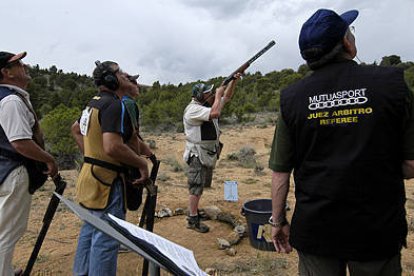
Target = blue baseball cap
(322,31)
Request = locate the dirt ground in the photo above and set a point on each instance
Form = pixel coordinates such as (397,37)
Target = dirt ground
(57,253)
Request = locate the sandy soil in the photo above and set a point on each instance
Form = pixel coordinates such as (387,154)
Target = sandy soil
(57,253)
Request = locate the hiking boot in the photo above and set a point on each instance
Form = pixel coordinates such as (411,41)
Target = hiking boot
(195,224)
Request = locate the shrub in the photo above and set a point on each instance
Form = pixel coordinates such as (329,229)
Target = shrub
(56,127)
(246,157)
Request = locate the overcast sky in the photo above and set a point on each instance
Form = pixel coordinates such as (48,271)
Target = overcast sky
(177,41)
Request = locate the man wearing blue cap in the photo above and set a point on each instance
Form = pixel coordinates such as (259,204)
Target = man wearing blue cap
(345,131)
(203,147)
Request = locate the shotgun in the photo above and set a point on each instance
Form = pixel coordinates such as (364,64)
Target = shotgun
(242,68)
(47,219)
(148,213)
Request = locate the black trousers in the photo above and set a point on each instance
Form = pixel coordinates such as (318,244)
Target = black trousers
(311,265)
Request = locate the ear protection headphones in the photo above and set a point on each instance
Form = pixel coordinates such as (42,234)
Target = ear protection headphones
(107,76)
(198,91)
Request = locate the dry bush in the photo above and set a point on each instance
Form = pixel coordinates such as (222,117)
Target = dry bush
(174,164)
(246,157)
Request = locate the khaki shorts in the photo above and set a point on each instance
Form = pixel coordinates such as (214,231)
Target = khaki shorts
(199,176)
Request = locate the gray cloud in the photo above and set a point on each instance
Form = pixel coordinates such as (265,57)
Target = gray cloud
(184,40)
(220,9)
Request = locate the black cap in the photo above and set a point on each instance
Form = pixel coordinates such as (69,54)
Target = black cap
(7,58)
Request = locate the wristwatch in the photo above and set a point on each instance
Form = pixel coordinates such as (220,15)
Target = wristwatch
(282,221)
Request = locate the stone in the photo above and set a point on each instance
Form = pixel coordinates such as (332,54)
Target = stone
(210,271)
(233,238)
(223,243)
(231,251)
(165,212)
(178,212)
(212,212)
(240,230)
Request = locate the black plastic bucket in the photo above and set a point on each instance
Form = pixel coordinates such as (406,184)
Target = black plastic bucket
(257,213)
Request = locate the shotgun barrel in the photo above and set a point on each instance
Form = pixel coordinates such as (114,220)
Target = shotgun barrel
(242,68)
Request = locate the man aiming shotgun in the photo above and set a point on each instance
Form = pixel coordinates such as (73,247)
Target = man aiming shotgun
(202,132)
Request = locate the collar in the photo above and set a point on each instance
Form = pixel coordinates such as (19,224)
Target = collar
(342,60)
(108,94)
(194,101)
(126,97)
(17,89)
(336,62)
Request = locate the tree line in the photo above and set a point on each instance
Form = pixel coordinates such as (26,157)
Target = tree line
(59,98)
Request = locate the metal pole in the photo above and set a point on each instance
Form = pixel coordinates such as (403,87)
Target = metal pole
(47,219)
(148,218)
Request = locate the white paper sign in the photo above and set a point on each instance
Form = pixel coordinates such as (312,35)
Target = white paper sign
(181,256)
(84,121)
(230,191)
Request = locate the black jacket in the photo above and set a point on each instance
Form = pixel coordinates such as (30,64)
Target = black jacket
(347,123)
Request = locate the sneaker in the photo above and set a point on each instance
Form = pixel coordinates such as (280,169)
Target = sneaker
(195,224)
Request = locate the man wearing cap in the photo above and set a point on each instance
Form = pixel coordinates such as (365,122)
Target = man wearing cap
(134,196)
(103,133)
(203,147)
(20,140)
(346,131)
(133,111)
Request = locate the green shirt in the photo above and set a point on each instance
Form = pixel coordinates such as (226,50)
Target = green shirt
(132,109)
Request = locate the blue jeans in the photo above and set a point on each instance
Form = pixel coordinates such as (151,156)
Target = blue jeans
(97,253)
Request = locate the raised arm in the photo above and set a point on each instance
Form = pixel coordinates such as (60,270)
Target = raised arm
(228,93)
(216,107)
